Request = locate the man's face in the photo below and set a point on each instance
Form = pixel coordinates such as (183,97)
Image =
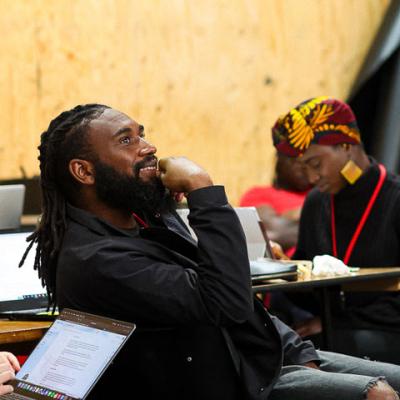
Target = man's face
(291,174)
(119,142)
(323,165)
(125,164)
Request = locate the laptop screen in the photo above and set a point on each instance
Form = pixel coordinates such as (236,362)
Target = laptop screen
(256,240)
(257,246)
(72,356)
(11,205)
(20,288)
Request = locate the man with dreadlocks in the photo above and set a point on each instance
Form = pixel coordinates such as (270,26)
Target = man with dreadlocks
(110,243)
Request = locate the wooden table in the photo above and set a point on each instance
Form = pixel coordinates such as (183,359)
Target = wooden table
(22,331)
(366,279)
(12,332)
(30,220)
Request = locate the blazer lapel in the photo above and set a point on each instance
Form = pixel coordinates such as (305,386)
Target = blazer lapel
(172,241)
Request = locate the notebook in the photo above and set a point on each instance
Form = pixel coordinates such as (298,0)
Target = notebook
(71,357)
(262,264)
(11,205)
(20,288)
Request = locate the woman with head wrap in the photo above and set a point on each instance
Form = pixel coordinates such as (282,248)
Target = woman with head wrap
(353,213)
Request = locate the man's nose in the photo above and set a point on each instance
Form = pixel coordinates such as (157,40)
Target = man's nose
(146,148)
(313,177)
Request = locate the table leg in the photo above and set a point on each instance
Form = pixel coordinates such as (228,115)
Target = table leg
(326,318)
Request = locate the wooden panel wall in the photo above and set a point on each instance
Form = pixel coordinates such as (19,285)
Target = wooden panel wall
(207,78)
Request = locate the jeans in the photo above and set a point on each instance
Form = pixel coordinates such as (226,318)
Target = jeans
(340,377)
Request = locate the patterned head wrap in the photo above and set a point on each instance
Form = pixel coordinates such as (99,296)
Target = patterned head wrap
(321,120)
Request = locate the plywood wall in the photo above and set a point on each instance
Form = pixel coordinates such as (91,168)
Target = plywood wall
(206,77)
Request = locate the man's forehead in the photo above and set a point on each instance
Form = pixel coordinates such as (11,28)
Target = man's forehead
(112,120)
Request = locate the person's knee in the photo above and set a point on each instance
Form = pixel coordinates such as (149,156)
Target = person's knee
(381,391)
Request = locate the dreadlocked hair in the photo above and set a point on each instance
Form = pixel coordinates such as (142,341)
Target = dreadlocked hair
(65,139)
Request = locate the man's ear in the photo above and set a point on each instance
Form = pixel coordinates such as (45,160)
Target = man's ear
(82,171)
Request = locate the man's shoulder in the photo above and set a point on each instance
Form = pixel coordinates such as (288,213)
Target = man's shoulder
(79,235)
(81,244)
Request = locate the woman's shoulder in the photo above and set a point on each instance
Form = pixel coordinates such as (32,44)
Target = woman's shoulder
(314,204)
(314,197)
(392,186)
(393,180)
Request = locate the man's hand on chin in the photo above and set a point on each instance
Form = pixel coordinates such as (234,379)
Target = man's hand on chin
(181,175)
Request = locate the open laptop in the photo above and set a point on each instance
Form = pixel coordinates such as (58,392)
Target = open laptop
(11,205)
(262,264)
(71,357)
(21,292)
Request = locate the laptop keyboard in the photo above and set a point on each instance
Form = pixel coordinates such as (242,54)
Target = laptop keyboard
(15,396)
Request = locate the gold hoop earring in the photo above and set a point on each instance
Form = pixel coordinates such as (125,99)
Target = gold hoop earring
(351,172)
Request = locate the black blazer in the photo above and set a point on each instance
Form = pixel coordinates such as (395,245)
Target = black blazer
(200,333)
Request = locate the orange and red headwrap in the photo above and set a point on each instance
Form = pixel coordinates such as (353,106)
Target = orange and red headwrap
(321,120)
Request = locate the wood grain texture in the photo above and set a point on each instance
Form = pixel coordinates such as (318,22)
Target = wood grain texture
(22,331)
(207,78)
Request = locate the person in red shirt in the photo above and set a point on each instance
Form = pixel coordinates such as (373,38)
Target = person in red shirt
(279,205)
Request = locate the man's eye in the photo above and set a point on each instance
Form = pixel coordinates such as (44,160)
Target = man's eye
(125,140)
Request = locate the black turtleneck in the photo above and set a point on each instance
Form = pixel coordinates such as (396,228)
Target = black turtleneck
(379,242)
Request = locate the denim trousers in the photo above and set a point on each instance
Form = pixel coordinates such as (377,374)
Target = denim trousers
(339,377)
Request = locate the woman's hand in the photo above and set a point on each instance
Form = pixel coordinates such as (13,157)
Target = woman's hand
(277,251)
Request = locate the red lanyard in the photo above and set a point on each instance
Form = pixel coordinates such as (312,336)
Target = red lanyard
(364,217)
(140,221)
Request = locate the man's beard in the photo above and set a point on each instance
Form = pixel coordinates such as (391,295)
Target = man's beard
(129,193)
